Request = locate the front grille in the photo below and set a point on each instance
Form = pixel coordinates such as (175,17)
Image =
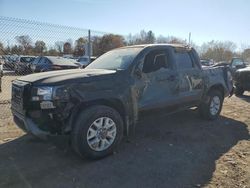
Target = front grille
(18,95)
(245,76)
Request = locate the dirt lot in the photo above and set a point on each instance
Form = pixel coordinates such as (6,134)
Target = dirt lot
(180,150)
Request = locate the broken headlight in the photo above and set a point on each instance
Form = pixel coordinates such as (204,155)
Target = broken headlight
(61,93)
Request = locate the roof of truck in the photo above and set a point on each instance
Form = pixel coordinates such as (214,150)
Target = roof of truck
(155,45)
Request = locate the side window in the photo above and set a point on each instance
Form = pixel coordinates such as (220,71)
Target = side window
(154,61)
(183,60)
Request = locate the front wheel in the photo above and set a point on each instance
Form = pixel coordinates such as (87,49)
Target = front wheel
(97,132)
(211,108)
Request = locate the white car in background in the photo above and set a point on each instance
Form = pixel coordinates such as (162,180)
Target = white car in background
(84,61)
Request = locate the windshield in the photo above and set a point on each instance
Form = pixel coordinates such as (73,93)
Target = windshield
(115,59)
(26,59)
(238,62)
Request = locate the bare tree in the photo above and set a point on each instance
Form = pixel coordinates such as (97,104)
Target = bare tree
(79,46)
(25,42)
(218,50)
(150,38)
(246,55)
(1,49)
(67,49)
(96,45)
(40,47)
(59,46)
(109,42)
(162,39)
(16,50)
(52,52)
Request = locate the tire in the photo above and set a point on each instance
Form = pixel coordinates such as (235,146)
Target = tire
(211,108)
(239,91)
(87,122)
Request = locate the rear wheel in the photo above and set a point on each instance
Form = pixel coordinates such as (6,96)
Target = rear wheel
(97,132)
(211,108)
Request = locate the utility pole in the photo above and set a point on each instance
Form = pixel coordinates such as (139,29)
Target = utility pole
(89,47)
(189,39)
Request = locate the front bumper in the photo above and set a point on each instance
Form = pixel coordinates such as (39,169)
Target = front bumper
(27,125)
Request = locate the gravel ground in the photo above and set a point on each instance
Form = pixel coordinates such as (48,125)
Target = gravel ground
(180,150)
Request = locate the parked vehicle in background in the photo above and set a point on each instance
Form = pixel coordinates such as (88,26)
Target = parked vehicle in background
(2,60)
(84,61)
(50,63)
(242,80)
(206,62)
(222,63)
(95,106)
(237,63)
(10,61)
(22,65)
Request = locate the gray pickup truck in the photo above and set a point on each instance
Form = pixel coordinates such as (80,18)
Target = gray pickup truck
(97,105)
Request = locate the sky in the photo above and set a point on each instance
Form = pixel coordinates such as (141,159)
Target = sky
(206,19)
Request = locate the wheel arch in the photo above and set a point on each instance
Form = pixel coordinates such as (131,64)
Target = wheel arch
(114,103)
(218,87)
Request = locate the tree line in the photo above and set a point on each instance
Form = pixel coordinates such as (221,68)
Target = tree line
(216,50)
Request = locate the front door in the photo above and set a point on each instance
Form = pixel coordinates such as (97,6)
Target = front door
(159,83)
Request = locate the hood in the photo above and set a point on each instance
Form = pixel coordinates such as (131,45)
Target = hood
(247,69)
(67,76)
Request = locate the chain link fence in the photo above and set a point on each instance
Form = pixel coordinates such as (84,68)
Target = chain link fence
(27,47)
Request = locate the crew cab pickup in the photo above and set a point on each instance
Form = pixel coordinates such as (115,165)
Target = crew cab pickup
(97,105)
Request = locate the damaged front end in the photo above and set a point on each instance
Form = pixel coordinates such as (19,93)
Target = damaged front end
(41,111)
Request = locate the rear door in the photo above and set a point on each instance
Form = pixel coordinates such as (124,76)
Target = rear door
(190,75)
